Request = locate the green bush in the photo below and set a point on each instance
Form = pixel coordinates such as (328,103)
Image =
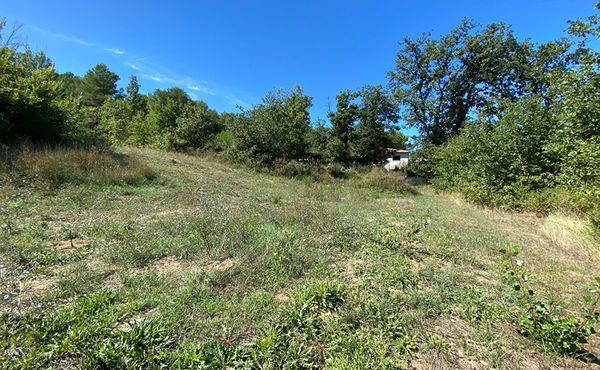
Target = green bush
(277,129)
(196,127)
(337,171)
(294,169)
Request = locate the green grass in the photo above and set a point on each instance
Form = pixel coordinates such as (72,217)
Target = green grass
(204,264)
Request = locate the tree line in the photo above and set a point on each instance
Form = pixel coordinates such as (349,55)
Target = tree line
(505,120)
(40,105)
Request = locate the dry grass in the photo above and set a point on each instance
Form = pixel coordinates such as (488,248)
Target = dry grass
(218,254)
(56,166)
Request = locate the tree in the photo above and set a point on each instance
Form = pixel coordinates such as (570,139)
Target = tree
(275,129)
(134,98)
(164,107)
(30,106)
(318,138)
(396,139)
(114,118)
(342,124)
(98,84)
(469,72)
(368,140)
(197,126)
(70,85)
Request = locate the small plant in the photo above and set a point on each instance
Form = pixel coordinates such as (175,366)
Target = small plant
(545,321)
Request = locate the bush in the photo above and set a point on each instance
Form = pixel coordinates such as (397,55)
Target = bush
(294,169)
(380,179)
(277,129)
(196,126)
(337,171)
(52,167)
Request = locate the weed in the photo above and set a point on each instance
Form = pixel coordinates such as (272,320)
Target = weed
(544,320)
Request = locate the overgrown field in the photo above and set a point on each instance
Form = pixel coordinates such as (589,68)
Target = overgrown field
(177,261)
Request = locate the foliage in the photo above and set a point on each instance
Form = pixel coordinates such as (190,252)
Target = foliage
(164,107)
(342,124)
(368,140)
(30,107)
(544,321)
(359,125)
(196,126)
(97,85)
(470,71)
(275,129)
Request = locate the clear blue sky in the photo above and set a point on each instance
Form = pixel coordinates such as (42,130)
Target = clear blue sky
(233,52)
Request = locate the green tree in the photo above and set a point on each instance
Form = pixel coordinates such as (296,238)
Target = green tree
(164,107)
(70,85)
(469,72)
(342,123)
(275,129)
(368,140)
(396,139)
(197,126)
(98,84)
(114,117)
(134,98)
(30,106)
(318,138)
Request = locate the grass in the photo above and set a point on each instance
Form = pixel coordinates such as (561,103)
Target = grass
(53,167)
(204,264)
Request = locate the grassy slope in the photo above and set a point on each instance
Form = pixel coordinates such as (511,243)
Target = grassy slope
(216,254)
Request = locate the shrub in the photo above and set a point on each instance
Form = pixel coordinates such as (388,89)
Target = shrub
(380,179)
(196,126)
(52,167)
(275,129)
(337,171)
(294,169)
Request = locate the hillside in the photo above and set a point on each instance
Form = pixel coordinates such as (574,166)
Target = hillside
(212,264)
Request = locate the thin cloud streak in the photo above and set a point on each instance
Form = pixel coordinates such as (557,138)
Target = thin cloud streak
(151,72)
(115,51)
(61,36)
(132,66)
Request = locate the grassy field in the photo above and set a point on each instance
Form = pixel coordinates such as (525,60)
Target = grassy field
(182,261)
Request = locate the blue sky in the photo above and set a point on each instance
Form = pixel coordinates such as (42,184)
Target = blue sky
(230,53)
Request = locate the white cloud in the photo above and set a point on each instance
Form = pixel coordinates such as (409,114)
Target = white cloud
(115,51)
(236,101)
(155,72)
(61,36)
(132,66)
(153,77)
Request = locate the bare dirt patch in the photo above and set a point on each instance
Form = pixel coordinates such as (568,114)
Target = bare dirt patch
(168,264)
(172,264)
(37,287)
(282,297)
(112,281)
(223,265)
(350,270)
(70,245)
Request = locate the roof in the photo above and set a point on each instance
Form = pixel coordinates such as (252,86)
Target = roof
(398,150)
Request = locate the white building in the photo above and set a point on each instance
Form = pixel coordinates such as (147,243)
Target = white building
(397,159)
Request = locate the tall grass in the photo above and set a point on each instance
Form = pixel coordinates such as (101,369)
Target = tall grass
(380,179)
(52,167)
